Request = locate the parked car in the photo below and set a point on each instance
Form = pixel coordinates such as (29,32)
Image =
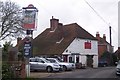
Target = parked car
(66,66)
(118,68)
(43,64)
(57,57)
(102,63)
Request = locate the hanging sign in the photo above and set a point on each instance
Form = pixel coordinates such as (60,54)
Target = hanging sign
(29,17)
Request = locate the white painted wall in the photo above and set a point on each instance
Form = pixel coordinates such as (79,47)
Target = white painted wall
(95,61)
(77,46)
(83,60)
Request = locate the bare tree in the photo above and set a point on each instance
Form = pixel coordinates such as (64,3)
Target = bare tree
(10,20)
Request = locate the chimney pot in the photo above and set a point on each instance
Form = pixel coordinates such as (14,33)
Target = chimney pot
(98,36)
(104,37)
(52,17)
(118,48)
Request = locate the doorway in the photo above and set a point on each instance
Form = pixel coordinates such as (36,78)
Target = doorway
(89,60)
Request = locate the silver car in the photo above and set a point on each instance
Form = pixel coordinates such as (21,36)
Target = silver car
(118,68)
(66,66)
(43,64)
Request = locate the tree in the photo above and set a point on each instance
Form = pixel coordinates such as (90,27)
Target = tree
(10,20)
(5,49)
(6,70)
(107,56)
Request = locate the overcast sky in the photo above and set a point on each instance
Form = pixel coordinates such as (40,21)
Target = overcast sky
(78,11)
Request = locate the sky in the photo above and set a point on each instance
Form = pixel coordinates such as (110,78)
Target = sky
(78,11)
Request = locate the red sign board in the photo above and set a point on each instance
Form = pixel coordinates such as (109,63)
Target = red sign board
(29,19)
(87,45)
(29,26)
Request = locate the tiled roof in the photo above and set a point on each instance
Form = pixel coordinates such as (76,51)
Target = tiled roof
(46,42)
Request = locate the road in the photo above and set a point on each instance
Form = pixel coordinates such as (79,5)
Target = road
(102,72)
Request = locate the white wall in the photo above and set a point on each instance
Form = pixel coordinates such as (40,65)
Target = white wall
(77,46)
(83,60)
(95,61)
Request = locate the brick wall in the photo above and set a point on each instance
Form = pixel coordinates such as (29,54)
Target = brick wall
(101,49)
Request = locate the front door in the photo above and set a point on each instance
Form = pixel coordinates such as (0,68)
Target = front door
(89,60)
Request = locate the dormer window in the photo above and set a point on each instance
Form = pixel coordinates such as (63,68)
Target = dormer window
(66,51)
(60,41)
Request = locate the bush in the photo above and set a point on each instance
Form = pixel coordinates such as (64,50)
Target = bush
(6,72)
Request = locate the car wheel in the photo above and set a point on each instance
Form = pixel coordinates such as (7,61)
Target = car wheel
(64,68)
(49,69)
(117,74)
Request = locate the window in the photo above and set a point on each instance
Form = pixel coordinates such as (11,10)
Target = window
(66,50)
(32,60)
(65,58)
(51,60)
(41,61)
(87,45)
(70,59)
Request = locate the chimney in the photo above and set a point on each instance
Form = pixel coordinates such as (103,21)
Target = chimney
(60,27)
(98,36)
(53,23)
(104,37)
(18,40)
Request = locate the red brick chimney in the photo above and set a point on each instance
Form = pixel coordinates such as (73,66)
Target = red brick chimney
(53,23)
(98,36)
(104,37)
